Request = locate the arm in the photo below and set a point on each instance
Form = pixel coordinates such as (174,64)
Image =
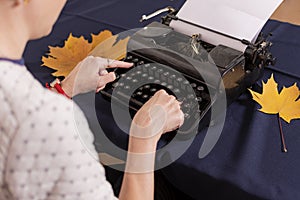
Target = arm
(159,115)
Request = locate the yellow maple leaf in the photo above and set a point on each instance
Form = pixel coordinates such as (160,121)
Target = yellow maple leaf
(64,59)
(110,48)
(102,36)
(286,103)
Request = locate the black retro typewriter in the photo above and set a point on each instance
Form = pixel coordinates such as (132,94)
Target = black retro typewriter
(194,71)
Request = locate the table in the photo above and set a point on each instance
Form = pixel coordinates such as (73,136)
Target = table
(247,162)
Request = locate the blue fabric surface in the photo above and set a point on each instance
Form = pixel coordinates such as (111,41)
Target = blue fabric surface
(247,162)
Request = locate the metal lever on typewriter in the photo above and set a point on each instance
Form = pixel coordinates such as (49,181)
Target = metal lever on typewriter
(158,12)
(259,54)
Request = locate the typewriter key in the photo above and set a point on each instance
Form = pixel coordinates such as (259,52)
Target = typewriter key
(141,63)
(173,76)
(176,90)
(128,77)
(147,87)
(200,88)
(139,93)
(127,87)
(199,99)
(129,58)
(145,96)
(157,81)
(123,75)
(179,79)
(166,74)
(139,72)
(151,78)
(186,115)
(135,60)
(121,84)
(144,75)
(170,87)
(193,85)
(153,90)
(190,96)
(135,81)
(164,84)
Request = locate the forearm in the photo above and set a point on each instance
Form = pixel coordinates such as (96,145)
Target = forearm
(138,181)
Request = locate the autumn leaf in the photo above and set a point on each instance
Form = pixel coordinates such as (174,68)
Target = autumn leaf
(111,49)
(286,103)
(64,59)
(102,36)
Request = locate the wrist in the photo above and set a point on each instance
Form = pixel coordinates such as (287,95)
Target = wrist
(142,145)
(57,87)
(67,88)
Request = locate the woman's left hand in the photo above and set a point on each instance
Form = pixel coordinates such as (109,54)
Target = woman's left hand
(91,75)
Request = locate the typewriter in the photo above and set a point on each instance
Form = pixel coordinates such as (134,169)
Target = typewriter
(194,71)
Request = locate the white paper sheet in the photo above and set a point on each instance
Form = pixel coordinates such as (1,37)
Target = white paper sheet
(242,19)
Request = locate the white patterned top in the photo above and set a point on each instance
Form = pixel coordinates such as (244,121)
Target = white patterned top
(41,155)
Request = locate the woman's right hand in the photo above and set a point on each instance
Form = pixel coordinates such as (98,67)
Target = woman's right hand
(162,113)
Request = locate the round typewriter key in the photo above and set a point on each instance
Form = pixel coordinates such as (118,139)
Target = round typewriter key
(170,87)
(135,60)
(151,78)
(176,90)
(193,85)
(157,81)
(141,63)
(199,99)
(200,88)
(154,68)
(173,76)
(139,93)
(186,82)
(179,79)
(190,96)
(147,86)
(139,72)
(129,58)
(144,75)
(164,84)
(135,81)
(123,75)
(166,74)
(145,96)
(160,70)
(128,77)
(147,65)
(121,84)
(186,115)
(153,90)
(127,87)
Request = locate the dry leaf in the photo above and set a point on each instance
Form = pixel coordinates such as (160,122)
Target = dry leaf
(102,36)
(64,59)
(111,49)
(286,103)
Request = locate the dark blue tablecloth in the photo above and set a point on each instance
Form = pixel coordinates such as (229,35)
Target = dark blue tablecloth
(247,162)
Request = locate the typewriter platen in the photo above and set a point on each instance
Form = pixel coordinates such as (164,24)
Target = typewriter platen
(182,65)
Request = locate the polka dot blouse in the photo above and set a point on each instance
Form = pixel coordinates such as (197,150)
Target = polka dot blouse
(41,155)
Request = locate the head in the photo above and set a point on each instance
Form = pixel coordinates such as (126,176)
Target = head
(35,17)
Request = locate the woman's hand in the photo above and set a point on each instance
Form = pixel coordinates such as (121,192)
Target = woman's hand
(91,75)
(162,113)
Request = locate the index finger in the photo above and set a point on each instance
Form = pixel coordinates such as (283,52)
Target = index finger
(119,64)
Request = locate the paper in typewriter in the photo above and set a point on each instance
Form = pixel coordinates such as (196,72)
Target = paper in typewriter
(240,19)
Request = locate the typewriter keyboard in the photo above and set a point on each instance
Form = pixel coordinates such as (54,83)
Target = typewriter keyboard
(139,83)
